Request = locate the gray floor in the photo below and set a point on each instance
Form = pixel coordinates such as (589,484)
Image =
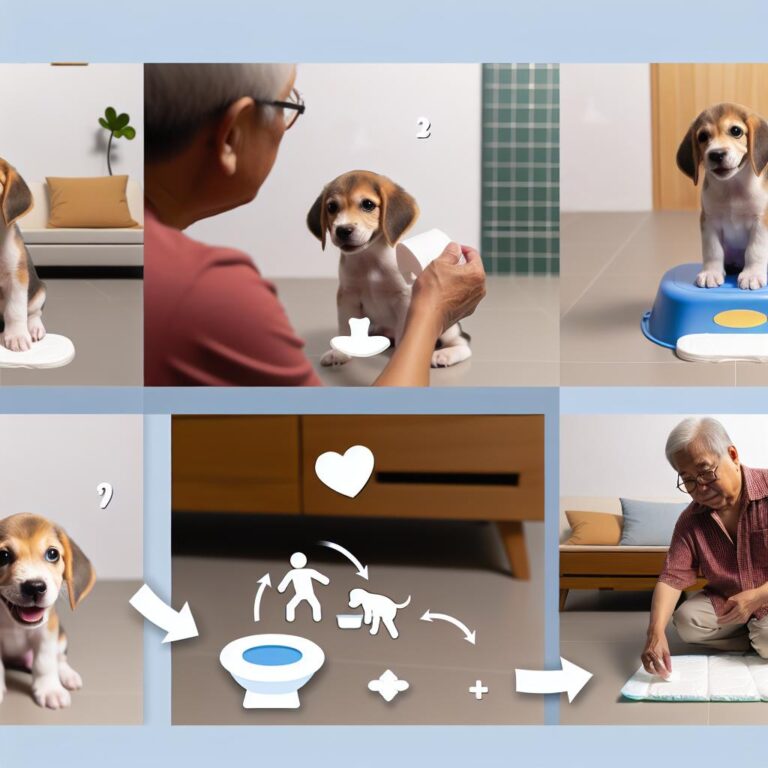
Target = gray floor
(611,267)
(104,319)
(604,633)
(433,657)
(514,334)
(106,648)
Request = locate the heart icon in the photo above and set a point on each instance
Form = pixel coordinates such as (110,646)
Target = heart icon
(345,474)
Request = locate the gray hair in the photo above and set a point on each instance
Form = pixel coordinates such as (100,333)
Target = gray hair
(706,432)
(179,98)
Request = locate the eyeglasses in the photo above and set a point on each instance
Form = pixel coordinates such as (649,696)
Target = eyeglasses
(291,109)
(690,484)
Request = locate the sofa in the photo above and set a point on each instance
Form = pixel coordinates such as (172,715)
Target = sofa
(81,247)
(614,567)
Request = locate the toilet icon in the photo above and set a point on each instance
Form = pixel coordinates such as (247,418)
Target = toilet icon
(272,668)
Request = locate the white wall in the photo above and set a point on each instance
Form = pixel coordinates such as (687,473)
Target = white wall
(51,465)
(364,116)
(623,455)
(49,124)
(605,137)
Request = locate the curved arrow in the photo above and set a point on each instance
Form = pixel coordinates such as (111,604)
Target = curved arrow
(263,583)
(178,624)
(361,569)
(570,679)
(470,637)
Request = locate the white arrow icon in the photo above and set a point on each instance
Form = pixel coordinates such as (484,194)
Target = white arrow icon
(263,583)
(570,679)
(361,569)
(178,624)
(470,637)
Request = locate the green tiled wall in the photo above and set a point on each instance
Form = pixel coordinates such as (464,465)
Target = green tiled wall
(521,169)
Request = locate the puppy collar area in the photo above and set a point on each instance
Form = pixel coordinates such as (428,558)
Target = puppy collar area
(719,324)
(52,351)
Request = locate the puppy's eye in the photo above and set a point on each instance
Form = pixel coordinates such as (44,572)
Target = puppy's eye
(332,207)
(52,554)
(735,131)
(703,136)
(5,557)
(368,205)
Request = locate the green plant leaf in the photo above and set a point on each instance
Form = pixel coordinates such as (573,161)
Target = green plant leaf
(111,116)
(129,132)
(122,120)
(103,123)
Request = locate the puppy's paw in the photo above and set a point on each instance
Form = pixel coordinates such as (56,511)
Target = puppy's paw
(753,278)
(70,679)
(36,328)
(17,339)
(710,278)
(334,357)
(447,356)
(50,694)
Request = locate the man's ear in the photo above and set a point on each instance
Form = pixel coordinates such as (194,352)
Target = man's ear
(78,571)
(317,219)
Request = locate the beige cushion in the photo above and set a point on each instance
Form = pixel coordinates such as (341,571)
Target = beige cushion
(594,528)
(96,202)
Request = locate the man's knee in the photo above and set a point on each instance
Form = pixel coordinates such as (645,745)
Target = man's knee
(691,624)
(758,637)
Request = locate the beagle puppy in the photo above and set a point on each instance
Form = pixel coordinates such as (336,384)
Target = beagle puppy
(732,144)
(22,294)
(366,214)
(36,558)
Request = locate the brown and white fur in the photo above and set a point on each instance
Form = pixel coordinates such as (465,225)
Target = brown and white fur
(36,559)
(366,214)
(22,294)
(732,144)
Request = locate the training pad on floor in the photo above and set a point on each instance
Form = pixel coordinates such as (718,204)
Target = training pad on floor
(52,351)
(723,347)
(724,677)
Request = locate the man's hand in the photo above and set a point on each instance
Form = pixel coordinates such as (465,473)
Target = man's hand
(740,607)
(655,657)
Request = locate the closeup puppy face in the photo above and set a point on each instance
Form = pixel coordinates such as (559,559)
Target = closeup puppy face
(360,207)
(724,138)
(15,196)
(36,557)
(356,597)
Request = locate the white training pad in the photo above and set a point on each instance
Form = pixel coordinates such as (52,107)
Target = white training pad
(52,351)
(723,347)
(725,677)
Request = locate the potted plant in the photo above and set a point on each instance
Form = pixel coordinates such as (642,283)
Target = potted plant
(118,126)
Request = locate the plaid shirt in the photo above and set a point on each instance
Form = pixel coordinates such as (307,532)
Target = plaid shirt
(700,545)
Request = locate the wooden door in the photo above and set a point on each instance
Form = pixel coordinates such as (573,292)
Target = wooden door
(679,92)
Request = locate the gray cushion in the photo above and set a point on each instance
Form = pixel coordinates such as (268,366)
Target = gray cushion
(649,523)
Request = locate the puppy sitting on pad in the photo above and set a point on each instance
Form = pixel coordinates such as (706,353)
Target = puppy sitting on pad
(366,214)
(732,144)
(36,559)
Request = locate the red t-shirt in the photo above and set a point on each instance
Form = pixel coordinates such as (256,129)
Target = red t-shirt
(210,319)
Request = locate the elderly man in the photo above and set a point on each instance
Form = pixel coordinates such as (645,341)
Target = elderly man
(723,535)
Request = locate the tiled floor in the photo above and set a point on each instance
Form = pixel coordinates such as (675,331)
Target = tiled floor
(452,568)
(106,648)
(514,334)
(611,267)
(104,319)
(604,633)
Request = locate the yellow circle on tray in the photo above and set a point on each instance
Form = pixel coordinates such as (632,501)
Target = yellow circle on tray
(740,318)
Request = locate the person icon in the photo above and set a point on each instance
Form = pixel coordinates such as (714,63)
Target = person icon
(301,578)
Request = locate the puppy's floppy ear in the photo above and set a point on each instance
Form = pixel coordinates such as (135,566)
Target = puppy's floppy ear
(317,219)
(757,143)
(78,571)
(15,199)
(399,211)
(689,155)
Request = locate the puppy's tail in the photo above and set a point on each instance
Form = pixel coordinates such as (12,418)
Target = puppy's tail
(403,605)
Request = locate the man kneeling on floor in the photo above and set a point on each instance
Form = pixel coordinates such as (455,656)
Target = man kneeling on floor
(722,535)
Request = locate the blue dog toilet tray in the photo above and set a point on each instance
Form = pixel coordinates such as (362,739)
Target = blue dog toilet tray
(708,324)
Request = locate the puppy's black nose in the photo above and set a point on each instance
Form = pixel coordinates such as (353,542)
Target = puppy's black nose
(716,155)
(33,588)
(344,233)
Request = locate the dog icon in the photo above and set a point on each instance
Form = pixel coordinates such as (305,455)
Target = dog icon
(377,610)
